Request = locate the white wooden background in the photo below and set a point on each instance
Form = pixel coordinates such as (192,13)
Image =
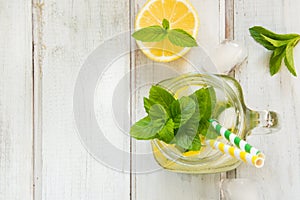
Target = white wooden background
(42,47)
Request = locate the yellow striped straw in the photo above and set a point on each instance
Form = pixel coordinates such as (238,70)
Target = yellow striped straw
(237,153)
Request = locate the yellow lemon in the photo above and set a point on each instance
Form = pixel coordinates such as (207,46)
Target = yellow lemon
(181,15)
(191,153)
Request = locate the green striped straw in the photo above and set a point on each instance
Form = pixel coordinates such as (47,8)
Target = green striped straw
(234,139)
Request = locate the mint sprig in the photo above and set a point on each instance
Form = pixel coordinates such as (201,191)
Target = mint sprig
(178,37)
(165,24)
(151,34)
(282,46)
(148,127)
(181,38)
(176,121)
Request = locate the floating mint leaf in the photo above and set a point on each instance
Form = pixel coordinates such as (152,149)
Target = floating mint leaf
(150,34)
(145,129)
(157,112)
(187,136)
(182,110)
(161,96)
(211,134)
(147,104)
(148,127)
(181,38)
(166,134)
(206,100)
(196,144)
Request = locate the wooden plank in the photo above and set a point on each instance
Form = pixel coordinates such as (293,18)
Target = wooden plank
(280,177)
(229,35)
(229,19)
(16,100)
(69,31)
(160,184)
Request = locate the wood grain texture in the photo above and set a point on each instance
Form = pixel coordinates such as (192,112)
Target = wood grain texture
(43,46)
(68,31)
(16,172)
(280,177)
(161,184)
(229,19)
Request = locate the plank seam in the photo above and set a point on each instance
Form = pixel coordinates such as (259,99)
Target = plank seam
(33,102)
(131,67)
(229,34)
(133,79)
(37,62)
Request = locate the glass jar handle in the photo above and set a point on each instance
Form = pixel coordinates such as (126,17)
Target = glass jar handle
(262,122)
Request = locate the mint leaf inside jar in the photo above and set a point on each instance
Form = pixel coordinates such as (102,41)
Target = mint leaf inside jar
(181,122)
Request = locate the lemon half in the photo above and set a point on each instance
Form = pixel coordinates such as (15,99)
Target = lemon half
(181,15)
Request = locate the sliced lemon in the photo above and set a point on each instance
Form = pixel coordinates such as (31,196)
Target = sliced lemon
(191,153)
(181,15)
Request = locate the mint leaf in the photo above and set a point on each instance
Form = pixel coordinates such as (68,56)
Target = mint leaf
(211,134)
(289,59)
(187,136)
(157,112)
(145,129)
(258,37)
(165,24)
(161,96)
(203,127)
(206,100)
(148,127)
(276,59)
(282,46)
(166,134)
(181,38)
(176,121)
(196,144)
(147,104)
(276,43)
(262,31)
(157,33)
(219,108)
(150,34)
(201,99)
(213,101)
(182,110)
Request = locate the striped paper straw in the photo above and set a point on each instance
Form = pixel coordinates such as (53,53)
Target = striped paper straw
(234,139)
(237,153)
